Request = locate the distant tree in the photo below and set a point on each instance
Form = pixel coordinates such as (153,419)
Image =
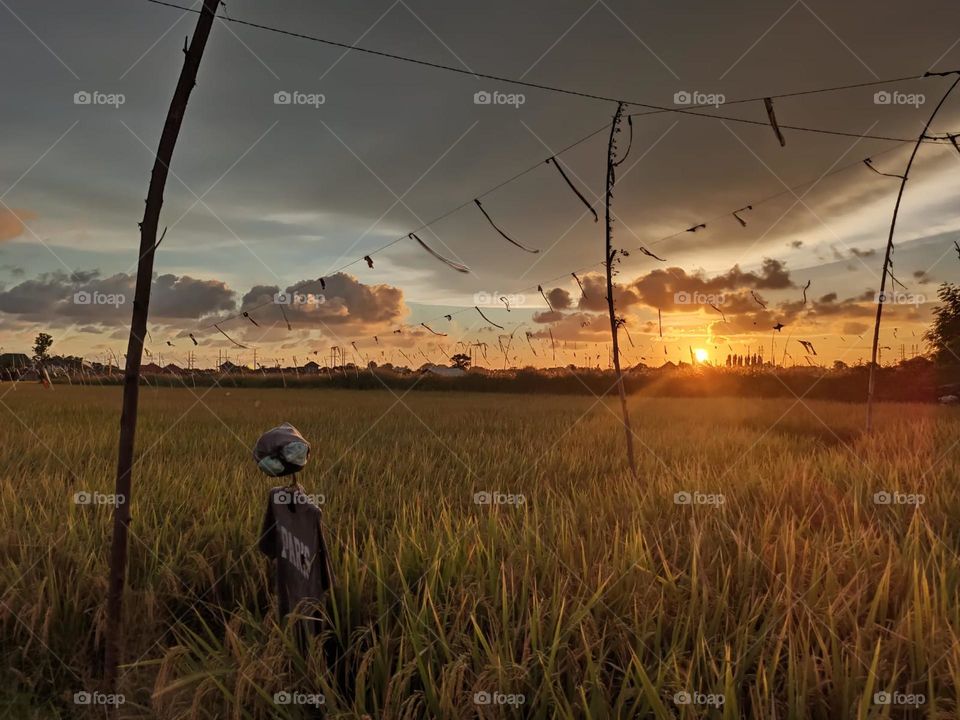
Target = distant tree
(460,360)
(840,365)
(41,345)
(944,334)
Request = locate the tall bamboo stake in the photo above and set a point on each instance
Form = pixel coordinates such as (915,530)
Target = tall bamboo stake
(871,382)
(610,258)
(138,329)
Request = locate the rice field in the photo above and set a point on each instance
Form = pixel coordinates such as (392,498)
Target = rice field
(493,557)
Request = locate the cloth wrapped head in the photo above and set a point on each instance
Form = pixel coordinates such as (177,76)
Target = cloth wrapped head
(281,451)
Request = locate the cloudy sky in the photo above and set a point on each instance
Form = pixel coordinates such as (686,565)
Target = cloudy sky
(268,197)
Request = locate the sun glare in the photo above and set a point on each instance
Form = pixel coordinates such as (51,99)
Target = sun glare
(701,355)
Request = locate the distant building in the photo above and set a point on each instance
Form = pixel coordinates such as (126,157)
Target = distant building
(311,367)
(443,371)
(172,369)
(150,369)
(14,361)
(229,367)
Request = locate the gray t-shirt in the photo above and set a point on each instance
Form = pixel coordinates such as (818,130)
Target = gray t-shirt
(293,536)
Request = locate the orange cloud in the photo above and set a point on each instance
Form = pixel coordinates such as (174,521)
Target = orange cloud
(12,223)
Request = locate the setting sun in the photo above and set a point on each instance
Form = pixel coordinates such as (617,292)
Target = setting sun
(701,355)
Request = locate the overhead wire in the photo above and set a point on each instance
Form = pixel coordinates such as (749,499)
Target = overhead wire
(513,81)
(768,198)
(653,109)
(539,164)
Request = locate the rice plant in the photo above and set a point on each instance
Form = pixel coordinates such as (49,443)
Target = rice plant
(493,556)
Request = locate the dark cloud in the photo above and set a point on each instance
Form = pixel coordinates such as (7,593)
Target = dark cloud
(827,308)
(829,305)
(84,276)
(594,298)
(578,326)
(660,288)
(559,299)
(855,252)
(85,296)
(14,270)
(548,316)
(187,297)
(729,295)
(344,301)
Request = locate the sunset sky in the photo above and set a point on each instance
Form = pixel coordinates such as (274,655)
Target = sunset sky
(267,198)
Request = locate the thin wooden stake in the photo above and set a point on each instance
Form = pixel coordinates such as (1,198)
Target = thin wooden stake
(610,256)
(138,329)
(871,382)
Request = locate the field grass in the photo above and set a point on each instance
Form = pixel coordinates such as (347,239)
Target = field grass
(598,596)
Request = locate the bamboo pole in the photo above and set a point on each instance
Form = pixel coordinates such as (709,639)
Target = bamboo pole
(610,258)
(871,382)
(138,329)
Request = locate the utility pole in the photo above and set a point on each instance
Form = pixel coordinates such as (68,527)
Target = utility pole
(138,329)
(887,262)
(611,257)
